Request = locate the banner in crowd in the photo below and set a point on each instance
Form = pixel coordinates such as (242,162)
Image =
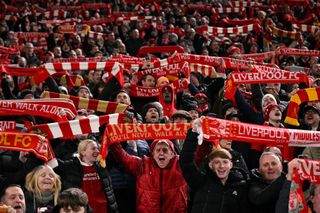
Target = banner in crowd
(8,126)
(26,142)
(261,77)
(49,108)
(89,104)
(126,131)
(296,52)
(310,171)
(214,128)
(301,96)
(170,69)
(147,92)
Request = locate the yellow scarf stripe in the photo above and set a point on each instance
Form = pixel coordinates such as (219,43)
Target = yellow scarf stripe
(291,121)
(121,108)
(84,103)
(312,94)
(102,106)
(296,99)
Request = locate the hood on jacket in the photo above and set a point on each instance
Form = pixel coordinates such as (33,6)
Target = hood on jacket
(167,103)
(156,157)
(168,142)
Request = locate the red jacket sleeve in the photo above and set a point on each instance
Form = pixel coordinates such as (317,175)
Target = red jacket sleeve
(132,164)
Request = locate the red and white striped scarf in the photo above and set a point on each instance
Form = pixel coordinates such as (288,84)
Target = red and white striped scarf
(54,14)
(206,71)
(306,28)
(285,34)
(122,20)
(58,22)
(107,20)
(240,22)
(96,35)
(89,59)
(228,30)
(89,104)
(69,129)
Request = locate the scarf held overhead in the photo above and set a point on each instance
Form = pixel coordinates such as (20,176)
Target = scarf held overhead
(89,104)
(26,142)
(49,108)
(303,95)
(214,128)
(309,170)
(69,129)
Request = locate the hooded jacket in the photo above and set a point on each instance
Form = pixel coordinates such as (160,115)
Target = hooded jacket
(157,190)
(168,107)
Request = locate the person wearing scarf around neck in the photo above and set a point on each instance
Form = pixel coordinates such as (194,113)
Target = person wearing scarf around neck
(43,186)
(83,172)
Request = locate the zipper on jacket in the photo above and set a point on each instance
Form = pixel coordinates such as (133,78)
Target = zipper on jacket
(161,192)
(206,201)
(222,202)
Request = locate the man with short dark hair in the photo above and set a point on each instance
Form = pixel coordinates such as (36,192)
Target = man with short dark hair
(13,199)
(148,80)
(73,200)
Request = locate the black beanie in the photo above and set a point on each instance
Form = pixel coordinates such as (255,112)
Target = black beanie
(25,92)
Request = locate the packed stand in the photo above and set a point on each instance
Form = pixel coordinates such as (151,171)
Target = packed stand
(215,103)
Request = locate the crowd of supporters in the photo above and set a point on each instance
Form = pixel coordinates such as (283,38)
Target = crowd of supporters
(158,62)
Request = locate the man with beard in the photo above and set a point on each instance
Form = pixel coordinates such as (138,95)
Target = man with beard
(13,200)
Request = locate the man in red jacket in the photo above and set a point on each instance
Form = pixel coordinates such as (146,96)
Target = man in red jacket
(160,185)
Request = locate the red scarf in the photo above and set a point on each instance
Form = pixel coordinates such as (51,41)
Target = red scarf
(309,171)
(257,76)
(214,128)
(146,92)
(49,108)
(171,69)
(26,142)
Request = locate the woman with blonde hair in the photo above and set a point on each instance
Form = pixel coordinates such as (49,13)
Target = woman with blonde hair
(43,186)
(85,173)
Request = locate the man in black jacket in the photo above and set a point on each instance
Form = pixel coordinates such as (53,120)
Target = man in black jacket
(266,183)
(219,189)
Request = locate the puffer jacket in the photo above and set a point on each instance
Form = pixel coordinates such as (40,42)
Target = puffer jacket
(71,174)
(264,195)
(209,194)
(158,190)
